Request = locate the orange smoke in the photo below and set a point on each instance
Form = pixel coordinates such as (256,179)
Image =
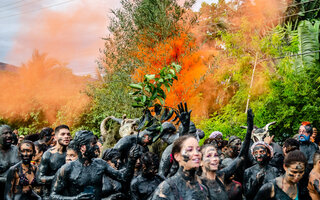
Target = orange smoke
(70,33)
(42,85)
(179,49)
(211,76)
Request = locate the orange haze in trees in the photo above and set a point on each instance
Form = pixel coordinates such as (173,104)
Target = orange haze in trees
(208,79)
(178,49)
(42,85)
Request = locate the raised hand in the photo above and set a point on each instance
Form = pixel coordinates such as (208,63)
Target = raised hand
(184,114)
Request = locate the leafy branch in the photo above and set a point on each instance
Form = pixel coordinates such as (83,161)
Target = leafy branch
(150,92)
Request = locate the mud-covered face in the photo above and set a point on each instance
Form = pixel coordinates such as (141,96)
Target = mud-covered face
(26,153)
(149,171)
(92,148)
(48,138)
(63,137)
(260,154)
(6,137)
(115,162)
(303,135)
(219,140)
(72,155)
(235,146)
(190,155)
(295,172)
(37,156)
(210,159)
(147,140)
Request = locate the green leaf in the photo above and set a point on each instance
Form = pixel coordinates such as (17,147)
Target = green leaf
(149,77)
(136,86)
(176,66)
(308,42)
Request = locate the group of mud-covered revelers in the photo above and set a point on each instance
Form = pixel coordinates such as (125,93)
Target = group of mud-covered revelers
(53,165)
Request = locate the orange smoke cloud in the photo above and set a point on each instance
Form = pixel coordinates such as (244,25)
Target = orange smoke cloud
(42,85)
(179,49)
(70,33)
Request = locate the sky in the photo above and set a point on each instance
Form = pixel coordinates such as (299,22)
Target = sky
(68,30)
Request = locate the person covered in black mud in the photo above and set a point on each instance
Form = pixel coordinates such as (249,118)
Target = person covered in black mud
(21,177)
(185,184)
(260,173)
(112,188)
(215,179)
(82,178)
(8,155)
(286,187)
(145,184)
(53,159)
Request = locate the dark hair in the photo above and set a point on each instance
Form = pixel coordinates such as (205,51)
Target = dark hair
(32,137)
(72,145)
(14,139)
(27,142)
(150,159)
(210,141)
(291,145)
(41,147)
(316,157)
(58,128)
(224,143)
(177,144)
(47,131)
(108,154)
(82,137)
(294,156)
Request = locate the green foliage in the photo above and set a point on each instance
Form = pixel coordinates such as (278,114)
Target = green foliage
(151,89)
(308,42)
(294,87)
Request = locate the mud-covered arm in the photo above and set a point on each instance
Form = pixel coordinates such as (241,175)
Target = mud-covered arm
(60,184)
(134,189)
(43,170)
(165,162)
(9,184)
(316,185)
(250,184)
(244,151)
(227,172)
(266,192)
(125,174)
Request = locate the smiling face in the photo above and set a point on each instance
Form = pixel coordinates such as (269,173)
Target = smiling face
(63,137)
(260,154)
(189,157)
(294,172)
(210,159)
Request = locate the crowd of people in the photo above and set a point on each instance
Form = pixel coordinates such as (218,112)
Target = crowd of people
(53,165)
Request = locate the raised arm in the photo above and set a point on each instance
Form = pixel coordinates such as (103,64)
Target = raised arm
(124,175)
(227,172)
